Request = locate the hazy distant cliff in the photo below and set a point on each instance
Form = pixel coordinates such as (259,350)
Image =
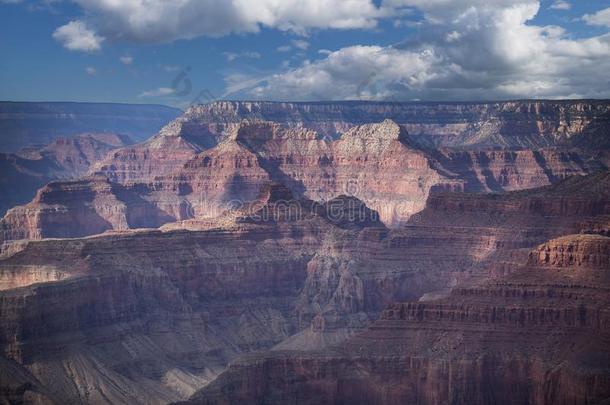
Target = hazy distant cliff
(23,124)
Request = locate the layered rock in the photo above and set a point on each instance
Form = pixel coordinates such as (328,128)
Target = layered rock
(143,162)
(374,162)
(508,170)
(529,124)
(80,208)
(539,336)
(152,316)
(65,158)
(117,318)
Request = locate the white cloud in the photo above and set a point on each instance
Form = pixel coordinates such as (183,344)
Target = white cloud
(602,18)
(466,50)
(561,5)
(300,44)
(126,60)
(90,70)
(161,21)
(295,43)
(76,36)
(231,56)
(159,92)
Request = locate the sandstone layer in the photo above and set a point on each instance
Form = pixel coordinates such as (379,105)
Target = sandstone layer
(117,318)
(378,163)
(539,335)
(529,124)
(24,172)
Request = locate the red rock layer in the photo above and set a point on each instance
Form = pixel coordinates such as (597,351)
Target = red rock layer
(511,124)
(79,208)
(497,170)
(26,171)
(152,316)
(538,336)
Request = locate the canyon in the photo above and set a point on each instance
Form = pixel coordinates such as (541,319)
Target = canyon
(27,170)
(346,252)
(538,335)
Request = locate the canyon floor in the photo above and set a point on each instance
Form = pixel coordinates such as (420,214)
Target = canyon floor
(280,253)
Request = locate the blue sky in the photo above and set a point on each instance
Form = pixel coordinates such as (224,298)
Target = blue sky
(136,52)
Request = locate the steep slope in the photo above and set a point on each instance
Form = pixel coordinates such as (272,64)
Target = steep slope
(152,316)
(512,124)
(79,208)
(508,170)
(65,158)
(374,163)
(23,124)
(539,335)
(116,319)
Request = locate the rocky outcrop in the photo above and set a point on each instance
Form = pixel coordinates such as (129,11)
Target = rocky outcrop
(126,321)
(513,124)
(153,315)
(537,336)
(65,158)
(508,170)
(375,163)
(23,124)
(80,208)
(322,150)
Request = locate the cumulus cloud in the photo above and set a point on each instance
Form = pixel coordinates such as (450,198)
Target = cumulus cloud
(90,70)
(77,36)
(602,18)
(472,49)
(161,21)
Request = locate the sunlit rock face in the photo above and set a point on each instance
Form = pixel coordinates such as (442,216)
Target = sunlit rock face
(352,252)
(170,308)
(32,167)
(538,335)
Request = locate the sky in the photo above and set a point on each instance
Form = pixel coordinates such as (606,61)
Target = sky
(180,52)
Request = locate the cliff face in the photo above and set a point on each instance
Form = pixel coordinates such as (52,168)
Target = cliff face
(80,208)
(536,336)
(508,170)
(123,320)
(375,163)
(152,316)
(296,235)
(65,158)
(529,124)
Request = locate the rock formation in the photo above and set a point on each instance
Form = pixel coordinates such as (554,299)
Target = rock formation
(323,252)
(154,315)
(512,124)
(538,336)
(29,169)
